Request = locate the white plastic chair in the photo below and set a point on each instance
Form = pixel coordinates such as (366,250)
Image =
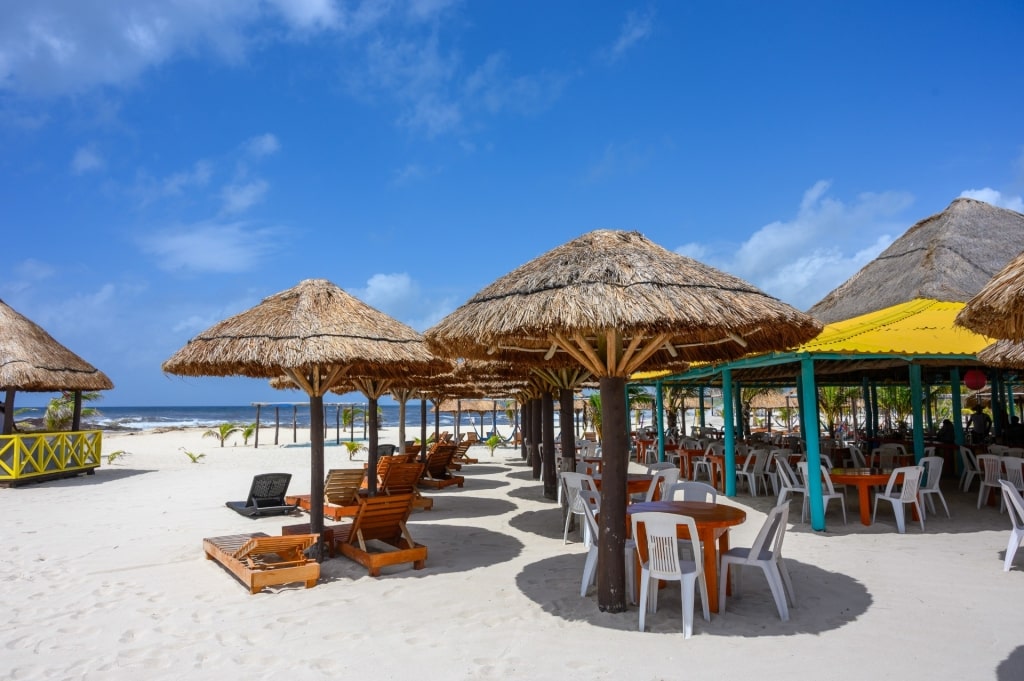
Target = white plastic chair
(899,498)
(574,483)
(788,482)
(970,468)
(932,475)
(662,480)
(770,469)
(753,471)
(591,507)
(691,490)
(1015,503)
(990,467)
(765,553)
(703,463)
(856,457)
(663,562)
(887,453)
(828,490)
(1013,471)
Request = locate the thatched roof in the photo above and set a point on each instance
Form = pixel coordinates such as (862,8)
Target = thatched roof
(998,309)
(471,405)
(32,361)
(948,257)
(659,310)
(314,329)
(1005,354)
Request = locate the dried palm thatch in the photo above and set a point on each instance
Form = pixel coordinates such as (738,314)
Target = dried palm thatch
(315,333)
(1005,354)
(948,257)
(615,303)
(998,309)
(31,360)
(320,338)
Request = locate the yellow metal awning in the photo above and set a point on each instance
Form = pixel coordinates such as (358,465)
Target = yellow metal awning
(917,327)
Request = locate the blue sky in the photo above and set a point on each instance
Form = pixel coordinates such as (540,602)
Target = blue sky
(167,163)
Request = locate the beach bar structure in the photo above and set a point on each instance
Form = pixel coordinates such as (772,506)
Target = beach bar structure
(32,361)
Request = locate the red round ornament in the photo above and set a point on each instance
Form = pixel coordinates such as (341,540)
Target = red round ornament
(975,379)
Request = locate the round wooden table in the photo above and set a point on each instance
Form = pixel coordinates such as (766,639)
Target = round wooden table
(863,479)
(636,483)
(713,522)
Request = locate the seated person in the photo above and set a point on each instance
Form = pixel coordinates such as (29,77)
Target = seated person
(1014,434)
(945,433)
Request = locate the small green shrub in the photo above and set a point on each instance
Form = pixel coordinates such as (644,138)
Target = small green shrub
(194,457)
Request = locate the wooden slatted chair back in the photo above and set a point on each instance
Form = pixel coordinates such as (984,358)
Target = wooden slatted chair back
(402,478)
(289,550)
(342,485)
(439,459)
(382,517)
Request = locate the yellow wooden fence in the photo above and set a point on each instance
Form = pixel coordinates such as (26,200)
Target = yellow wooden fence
(29,457)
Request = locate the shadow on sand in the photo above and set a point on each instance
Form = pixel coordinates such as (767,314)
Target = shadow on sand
(750,612)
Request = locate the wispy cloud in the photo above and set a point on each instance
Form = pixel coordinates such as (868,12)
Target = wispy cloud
(616,160)
(637,28)
(238,198)
(801,259)
(400,296)
(262,145)
(86,159)
(210,247)
(413,172)
(996,198)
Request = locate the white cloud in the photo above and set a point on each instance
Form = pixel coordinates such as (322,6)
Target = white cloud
(400,296)
(238,198)
(86,159)
(210,247)
(996,198)
(801,259)
(24,275)
(492,88)
(692,250)
(308,14)
(618,160)
(636,29)
(262,145)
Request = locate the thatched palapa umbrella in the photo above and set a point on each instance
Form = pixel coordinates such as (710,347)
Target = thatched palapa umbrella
(998,308)
(616,303)
(1005,354)
(320,337)
(32,361)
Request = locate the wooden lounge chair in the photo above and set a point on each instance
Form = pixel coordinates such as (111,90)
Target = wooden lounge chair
(460,457)
(260,560)
(266,497)
(341,493)
(382,519)
(438,469)
(402,478)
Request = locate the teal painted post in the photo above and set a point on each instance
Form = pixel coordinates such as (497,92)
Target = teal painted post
(958,407)
(659,410)
(915,406)
(729,435)
(740,425)
(810,392)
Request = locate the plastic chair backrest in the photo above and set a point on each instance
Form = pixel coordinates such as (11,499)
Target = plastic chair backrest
(990,466)
(998,450)
(663,479)
(574,483)
(769,537)
(932,470)
(663,544)
(590,504)
(716,448)
(691,490)
(1014,468)
(857,457)
(786,473)
(760,458)
(660,466)
(1015,503)
(969,460)
(909,485)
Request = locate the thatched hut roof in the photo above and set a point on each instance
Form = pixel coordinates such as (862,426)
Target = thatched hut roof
(665,310)
(471,405)
(32,361)
(1005,354)
(948,257)
(314,327)
(998,309)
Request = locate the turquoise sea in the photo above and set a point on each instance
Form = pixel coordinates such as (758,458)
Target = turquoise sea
(148,418)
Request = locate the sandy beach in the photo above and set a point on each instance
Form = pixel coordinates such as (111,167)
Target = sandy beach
(105,578)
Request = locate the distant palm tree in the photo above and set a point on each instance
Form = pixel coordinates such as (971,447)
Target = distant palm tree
(60,411)
(833,400)
(247,432)
(223,432)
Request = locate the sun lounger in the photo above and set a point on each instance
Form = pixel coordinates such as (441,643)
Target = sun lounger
(460,456)
(381,519)
(401,478)
(260,560)
(341,493)
(438,469)
(266,497)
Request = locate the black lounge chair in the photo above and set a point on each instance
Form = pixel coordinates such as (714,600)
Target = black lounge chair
(266,497)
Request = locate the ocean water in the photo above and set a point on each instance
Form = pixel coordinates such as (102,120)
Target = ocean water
(149,418)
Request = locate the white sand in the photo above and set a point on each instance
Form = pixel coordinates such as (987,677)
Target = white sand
(105,578)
